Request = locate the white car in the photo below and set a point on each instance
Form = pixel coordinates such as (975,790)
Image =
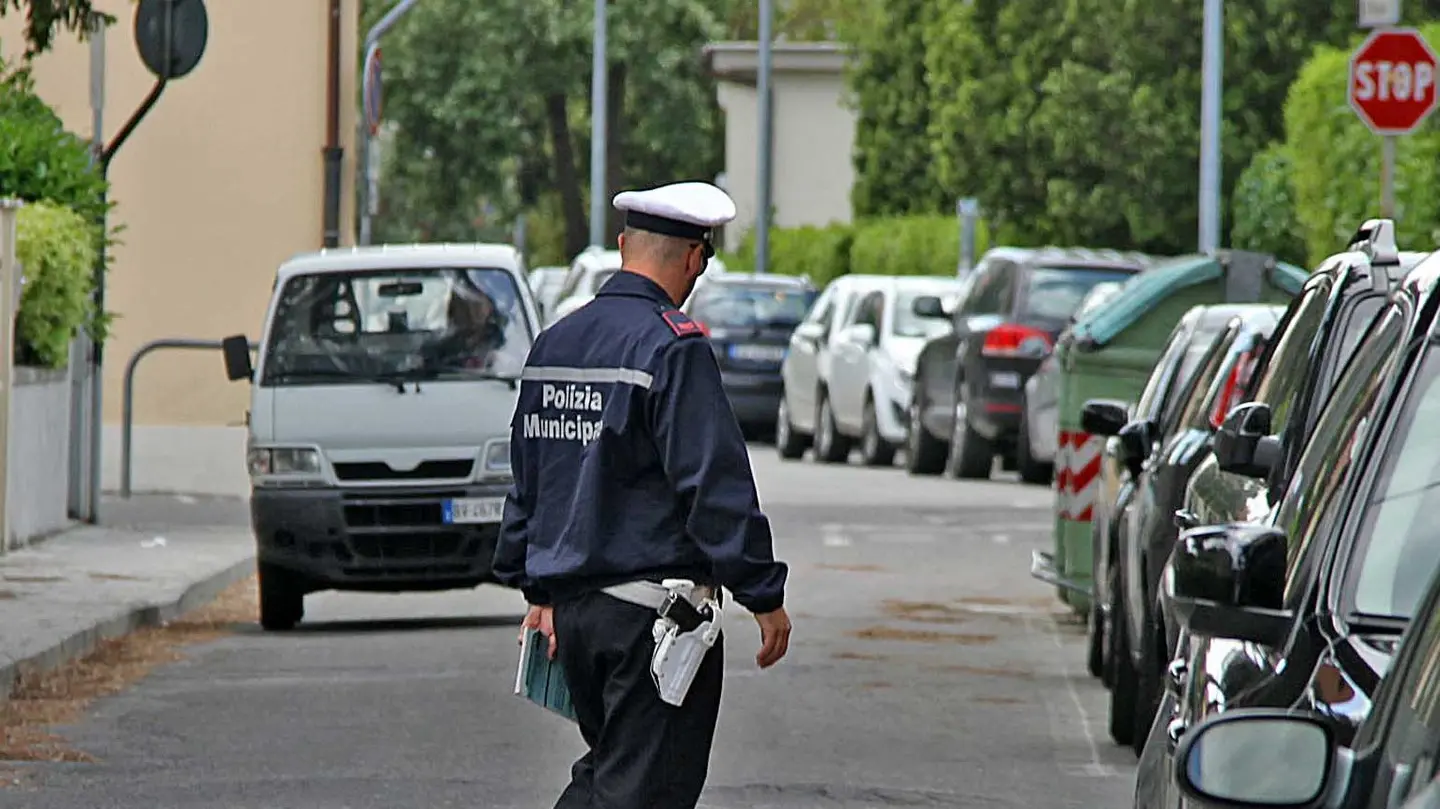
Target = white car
(588,272)
(848,374)
(545,282)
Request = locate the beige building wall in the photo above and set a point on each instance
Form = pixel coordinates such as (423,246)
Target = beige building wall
(813,130)
(221,182)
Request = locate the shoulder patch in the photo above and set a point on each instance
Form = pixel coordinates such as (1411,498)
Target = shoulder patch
(680,323)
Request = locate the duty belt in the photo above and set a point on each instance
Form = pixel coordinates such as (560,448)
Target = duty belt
(652,595)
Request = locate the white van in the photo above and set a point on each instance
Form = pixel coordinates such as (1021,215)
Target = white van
(379,419)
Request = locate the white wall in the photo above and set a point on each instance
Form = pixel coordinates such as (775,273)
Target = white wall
(38,477)
(814,139)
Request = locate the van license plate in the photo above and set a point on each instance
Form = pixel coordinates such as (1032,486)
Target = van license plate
(758,353)
(466,510)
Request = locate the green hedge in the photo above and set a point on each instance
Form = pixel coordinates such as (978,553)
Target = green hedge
(1263,207)
(1335,162)
(902,245)
(56,248)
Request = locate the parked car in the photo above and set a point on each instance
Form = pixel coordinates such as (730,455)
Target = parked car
(1144,527)
(1306,608)
(545,282)
(805,371)
(588,272)
(749,320)
(1122,460)
(969,379)
(1038,437)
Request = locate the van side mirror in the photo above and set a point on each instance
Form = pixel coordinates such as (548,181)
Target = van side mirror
(1228,581)
(1137,441)
(1244,445)
(237,357)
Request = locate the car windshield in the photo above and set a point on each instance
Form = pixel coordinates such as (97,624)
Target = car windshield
(439,323)
(1399,539)
(737,305)
(1054,293)
(909,324)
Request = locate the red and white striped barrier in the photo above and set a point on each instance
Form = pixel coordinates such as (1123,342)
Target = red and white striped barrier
(1077,474)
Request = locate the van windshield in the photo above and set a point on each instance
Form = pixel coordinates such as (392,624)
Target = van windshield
(385,326)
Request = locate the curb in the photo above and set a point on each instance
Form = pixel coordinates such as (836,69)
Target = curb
(137,615)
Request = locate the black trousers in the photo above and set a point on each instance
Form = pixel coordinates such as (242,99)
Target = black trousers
(644,753)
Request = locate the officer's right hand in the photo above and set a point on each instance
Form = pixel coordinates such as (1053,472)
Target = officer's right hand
(543,619)
(774,637)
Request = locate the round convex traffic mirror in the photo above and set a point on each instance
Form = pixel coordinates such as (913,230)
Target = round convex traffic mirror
(171,35)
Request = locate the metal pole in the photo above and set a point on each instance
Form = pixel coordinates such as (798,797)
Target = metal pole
(82,497)
(372,41)
(1210,97)
(599,116)
(766,98)
(1387,176)
(9,288)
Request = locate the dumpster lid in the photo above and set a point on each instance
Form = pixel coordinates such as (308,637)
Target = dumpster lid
(1140,294)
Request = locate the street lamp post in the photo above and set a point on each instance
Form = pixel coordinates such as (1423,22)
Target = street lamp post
(599,113)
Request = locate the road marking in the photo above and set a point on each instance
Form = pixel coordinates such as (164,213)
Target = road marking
(1094,768)
(834,536)
(1001,539)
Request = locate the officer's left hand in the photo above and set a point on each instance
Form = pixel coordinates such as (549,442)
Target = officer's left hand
(543,619)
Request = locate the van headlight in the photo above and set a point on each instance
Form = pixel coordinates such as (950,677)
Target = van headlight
(288,462)
(496,459)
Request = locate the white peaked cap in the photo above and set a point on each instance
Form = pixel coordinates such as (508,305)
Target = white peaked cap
(686,210)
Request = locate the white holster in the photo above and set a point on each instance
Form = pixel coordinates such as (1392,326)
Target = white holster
(678,655)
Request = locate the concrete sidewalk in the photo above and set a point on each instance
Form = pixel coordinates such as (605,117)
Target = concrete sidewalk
(156,557)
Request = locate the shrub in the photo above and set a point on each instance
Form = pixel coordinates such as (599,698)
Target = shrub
(39,160)
(1336,162)
(56,248)
(1264,208)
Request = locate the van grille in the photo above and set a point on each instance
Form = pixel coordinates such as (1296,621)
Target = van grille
(459,469)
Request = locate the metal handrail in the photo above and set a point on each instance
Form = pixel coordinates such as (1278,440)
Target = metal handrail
(128,396)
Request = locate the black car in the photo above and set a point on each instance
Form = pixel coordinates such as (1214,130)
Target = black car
(1317,336)
(748,319)
(1122,459)
(1306,609)
(1144,529)
(970,382)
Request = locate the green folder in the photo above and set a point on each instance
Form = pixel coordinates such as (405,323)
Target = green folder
(542,680)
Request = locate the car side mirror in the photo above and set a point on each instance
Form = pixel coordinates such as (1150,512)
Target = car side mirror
(1244,445)
(1137,441)
(237,357)
(861,334)
(1258,757)
(1228,581)
(1105,417)
(928,306)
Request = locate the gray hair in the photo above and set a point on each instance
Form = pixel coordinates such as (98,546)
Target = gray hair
(655,249)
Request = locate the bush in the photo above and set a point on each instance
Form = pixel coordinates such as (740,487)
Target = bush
(1336,162)
(39,160)
(1264,208)
(901,245)
(57,250)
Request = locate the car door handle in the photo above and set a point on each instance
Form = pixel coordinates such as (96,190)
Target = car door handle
(1174,731)
(1185,519)
(1175,675)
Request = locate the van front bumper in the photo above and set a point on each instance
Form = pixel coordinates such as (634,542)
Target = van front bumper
(389,539)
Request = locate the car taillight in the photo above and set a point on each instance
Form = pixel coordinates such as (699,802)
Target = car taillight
(1012,340)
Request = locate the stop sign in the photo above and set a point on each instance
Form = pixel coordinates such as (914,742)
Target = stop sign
(1392,80)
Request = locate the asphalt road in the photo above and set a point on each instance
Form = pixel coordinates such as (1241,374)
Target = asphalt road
(927,669)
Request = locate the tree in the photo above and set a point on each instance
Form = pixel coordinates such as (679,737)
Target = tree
(43,18)
(491,105)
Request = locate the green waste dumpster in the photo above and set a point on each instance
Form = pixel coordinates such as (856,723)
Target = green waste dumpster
(1109,355)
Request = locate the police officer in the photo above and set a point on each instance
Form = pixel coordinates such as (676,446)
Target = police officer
(630,469)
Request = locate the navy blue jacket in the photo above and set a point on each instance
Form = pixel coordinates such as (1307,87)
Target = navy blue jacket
(628,460)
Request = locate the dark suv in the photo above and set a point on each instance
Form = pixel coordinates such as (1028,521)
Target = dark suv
(970,382)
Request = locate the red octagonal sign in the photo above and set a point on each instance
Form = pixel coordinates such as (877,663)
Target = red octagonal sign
(1392,81)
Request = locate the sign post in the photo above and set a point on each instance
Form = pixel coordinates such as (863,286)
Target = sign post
(1392,89)
(1379,13)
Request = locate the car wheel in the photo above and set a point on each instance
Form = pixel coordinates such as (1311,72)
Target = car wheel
(1147,682)
(924,453)
(1031,470)
(830,445)
(788,443)
(972,457)
(874,449)
(282,599)
(1124,682)
(1095,631)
